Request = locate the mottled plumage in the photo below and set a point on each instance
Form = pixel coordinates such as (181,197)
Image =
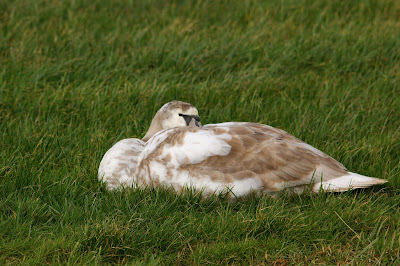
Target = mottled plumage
(236,157)
(118,165)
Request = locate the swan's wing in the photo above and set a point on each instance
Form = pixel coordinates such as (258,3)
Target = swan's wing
(118,165)
(241,156)
(286,157)
(271,156)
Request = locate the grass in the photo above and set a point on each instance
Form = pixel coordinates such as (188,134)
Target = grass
(77,76)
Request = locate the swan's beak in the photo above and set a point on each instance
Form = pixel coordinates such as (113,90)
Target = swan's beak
(192,120)
(195,123)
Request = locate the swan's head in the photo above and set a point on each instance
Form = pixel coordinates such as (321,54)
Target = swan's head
(173,114)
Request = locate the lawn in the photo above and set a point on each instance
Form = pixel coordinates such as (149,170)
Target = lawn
(77,76)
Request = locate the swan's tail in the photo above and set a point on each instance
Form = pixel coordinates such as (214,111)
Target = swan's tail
(348,182)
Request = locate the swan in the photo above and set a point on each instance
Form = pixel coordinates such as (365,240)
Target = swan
(234,157)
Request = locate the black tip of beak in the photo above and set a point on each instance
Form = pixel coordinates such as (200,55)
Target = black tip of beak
(196,117)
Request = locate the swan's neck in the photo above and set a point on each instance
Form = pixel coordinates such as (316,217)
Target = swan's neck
(155,127)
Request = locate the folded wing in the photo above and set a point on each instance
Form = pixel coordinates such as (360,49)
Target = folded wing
(238,156)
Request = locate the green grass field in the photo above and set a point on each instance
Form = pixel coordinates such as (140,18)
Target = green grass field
(77,76)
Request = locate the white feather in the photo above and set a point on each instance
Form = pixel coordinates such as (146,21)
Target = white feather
(196,147)
(348,182)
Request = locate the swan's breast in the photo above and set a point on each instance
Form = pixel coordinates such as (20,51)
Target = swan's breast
(118,166)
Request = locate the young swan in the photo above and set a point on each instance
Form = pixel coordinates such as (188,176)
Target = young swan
(235,157)
(118,166)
